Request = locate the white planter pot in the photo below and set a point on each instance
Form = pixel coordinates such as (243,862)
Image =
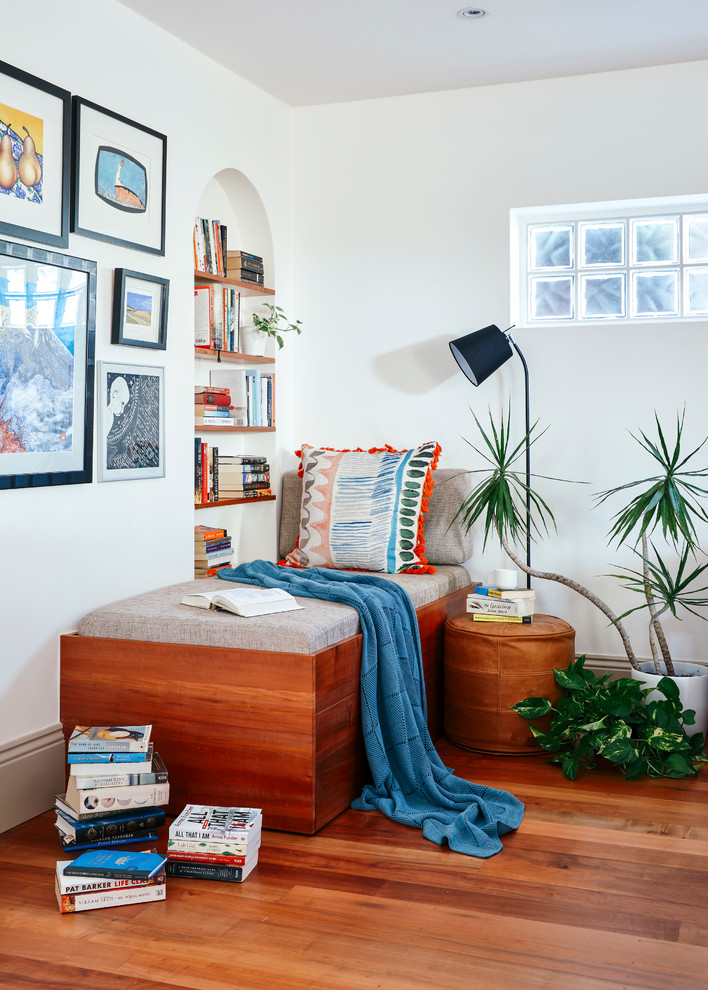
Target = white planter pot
(693,689)
(253,341)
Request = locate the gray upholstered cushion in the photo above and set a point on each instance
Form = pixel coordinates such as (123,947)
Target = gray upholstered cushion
(444,544)
(158,617)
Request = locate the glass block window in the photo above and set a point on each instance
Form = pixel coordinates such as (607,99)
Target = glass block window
(643,264)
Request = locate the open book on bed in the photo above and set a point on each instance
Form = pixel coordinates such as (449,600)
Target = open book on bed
(244,601)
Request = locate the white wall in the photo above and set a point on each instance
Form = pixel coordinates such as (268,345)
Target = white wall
(402,244)
(67,550)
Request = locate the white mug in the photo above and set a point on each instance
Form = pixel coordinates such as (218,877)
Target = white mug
(505,579)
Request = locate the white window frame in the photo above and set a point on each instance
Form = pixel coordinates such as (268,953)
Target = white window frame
(522,218)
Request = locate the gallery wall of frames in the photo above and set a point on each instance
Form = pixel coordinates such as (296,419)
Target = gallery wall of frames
(70,166)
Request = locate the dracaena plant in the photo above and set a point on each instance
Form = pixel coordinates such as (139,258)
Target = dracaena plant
(599,718)
(670,500)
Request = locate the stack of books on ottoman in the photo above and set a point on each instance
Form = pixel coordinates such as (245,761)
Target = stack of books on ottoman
(489,604)
(115,789)
(208,843)
(109,878)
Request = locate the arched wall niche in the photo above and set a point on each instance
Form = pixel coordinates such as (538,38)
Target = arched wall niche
(231,197)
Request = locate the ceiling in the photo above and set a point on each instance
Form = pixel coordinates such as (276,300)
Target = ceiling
(308,52)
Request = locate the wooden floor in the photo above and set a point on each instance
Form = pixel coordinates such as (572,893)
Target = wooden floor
(604,885)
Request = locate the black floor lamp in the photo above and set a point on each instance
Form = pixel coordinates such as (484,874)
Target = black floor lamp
(479,354)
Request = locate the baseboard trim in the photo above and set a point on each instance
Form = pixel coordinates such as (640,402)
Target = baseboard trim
(32,770)
(617,666)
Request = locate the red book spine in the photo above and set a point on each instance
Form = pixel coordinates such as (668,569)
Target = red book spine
(205,472)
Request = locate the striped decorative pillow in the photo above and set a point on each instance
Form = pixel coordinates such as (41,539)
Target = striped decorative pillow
(364,510)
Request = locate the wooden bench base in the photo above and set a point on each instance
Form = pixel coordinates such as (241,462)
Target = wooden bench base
(278,731)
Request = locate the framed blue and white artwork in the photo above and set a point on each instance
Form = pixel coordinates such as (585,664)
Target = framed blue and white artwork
(131,422)
(47,321)
(119,179)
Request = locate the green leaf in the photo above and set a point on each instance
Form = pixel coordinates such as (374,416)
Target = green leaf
(532,707)
(569,680)
(679,764)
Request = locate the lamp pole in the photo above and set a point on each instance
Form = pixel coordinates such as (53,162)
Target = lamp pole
(528,454)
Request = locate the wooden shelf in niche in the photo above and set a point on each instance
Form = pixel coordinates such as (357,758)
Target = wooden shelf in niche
(234,501)
(233,429)
(247,288)
(214,355)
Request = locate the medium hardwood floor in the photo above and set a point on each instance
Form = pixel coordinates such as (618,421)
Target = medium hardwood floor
(605,885)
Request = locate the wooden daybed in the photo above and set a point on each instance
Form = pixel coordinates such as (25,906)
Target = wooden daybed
(260,712)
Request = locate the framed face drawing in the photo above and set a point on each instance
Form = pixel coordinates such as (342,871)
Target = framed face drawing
(35,121)
(120,172)
(47,320)
(131,402)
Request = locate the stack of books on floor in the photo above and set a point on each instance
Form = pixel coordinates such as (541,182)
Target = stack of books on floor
(244,267)
(212,550)
(115,789)
(489,604)
(109,878)
(207,843)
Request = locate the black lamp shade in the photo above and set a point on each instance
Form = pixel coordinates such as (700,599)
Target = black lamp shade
(480,353)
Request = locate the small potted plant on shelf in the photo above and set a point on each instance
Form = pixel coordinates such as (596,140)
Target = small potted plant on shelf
(274,324)
(668,503)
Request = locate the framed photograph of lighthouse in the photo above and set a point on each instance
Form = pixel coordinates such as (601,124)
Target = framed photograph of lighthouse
(119,179)
(35,121)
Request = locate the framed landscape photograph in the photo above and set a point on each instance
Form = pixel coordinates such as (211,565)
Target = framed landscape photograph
(119,182)
(35,122)
(131,403)
(140,309)
(47,321)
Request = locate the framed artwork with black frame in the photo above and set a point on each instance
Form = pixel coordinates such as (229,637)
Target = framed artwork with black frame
(140,309)
(119,182)
(35,158)
(47,330)
(131,404)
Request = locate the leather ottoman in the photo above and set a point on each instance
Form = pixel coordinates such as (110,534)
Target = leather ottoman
(491,666)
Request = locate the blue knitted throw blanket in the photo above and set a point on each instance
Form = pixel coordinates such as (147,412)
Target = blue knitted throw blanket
(410,783)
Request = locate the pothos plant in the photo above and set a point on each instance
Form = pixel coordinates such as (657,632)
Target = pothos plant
(599,718)
(275,323)
(668,501)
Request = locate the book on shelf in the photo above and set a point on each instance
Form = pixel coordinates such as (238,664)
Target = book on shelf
(210,397)
(511,594)
(88,776)
(233,488)
(215,421)
(211,547)
(208,409)
(116,864)
(128,838)
(235,380)
(253,396)
(202,534)
(203,316)
(110,739)
(500,606)
(217,824)
(210,242)
(242,477)
(491,617)
(210,871)
(244,275)
(243,459)
(239,260)
(109,797)
(107,825)
(246,602)
(207,572)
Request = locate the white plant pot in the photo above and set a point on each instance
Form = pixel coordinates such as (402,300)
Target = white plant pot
(692,682)
(253,341)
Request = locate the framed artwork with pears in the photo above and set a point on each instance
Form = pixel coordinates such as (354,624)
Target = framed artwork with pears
(35,153)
